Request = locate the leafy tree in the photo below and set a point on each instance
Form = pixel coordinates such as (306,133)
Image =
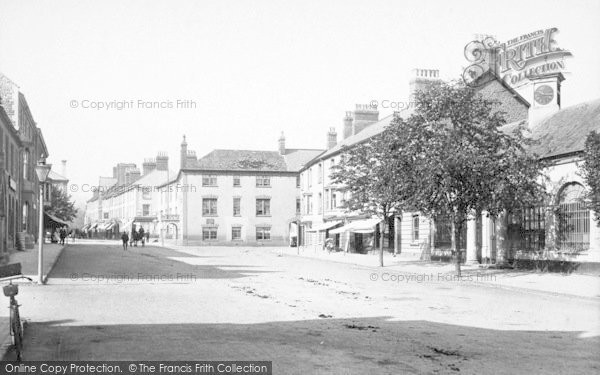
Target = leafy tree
(371,175)
(591,171)
(61,205)
(461,160)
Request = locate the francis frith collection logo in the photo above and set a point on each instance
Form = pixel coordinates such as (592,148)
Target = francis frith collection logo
(516,61)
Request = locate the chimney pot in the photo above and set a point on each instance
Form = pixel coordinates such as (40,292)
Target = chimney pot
(364,116)
(422,79)
(348,124)
(331,138)
(282,144)
(64,168)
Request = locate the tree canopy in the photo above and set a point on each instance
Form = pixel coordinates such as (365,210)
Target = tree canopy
(450,158)
(591,171)
(61,205)
(463,161)
(369,174)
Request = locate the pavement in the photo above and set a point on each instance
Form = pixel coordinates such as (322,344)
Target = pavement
(29,266)
(578,285)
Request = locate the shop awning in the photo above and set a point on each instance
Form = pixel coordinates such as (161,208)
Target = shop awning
(144,219)
(127,226)
(358,226)
(105,226)
(85,227)
(324,226)
(54,219)
(110,225)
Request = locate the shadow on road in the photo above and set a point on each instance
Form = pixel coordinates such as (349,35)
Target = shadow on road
(111,262)
(325,346)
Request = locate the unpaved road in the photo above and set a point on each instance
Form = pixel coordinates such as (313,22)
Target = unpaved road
(308,316)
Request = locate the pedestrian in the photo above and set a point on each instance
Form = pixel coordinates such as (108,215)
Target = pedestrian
(133,238)
(142,236)
(62,235)
(125,239)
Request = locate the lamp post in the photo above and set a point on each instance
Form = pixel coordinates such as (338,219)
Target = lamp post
(42,170)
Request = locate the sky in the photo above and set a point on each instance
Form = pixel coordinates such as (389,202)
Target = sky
(247,70)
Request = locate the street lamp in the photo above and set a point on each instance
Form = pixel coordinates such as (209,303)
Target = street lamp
(42,170)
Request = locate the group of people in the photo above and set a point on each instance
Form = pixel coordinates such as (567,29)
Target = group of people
(136,235)
(59,235)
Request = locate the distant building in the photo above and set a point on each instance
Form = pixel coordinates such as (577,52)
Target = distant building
(128,198)
(234,197)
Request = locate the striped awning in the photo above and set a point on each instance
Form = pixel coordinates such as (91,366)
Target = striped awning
(324,226)
(358,226)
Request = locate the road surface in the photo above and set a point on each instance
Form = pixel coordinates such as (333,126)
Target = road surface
(305,315)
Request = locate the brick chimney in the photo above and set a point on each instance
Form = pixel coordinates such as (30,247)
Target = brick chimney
(422,79)
(148,166)
(121,170)
(364,115)
(162,161)
(348,124)
(191,160)
(183,154)
(331,138)
(64,168)
(282,144)
(132,175)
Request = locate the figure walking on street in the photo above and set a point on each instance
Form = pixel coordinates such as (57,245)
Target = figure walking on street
(125,239)
(141,236)
(62,235)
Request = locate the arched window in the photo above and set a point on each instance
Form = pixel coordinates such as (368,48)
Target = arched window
(26,164)
(573,219)
(25,216)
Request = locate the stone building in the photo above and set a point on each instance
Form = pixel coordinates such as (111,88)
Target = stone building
(22,145)
(234,197)
(129,198)
(323,213)
(564,225)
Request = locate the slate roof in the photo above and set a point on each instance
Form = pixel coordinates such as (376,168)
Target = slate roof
(490,76)
(56,177)
(152,179)
(248,160)
(365,134)
(296,159)
(565,131)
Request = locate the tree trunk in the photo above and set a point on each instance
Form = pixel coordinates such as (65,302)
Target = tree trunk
(455,246)
(381,233)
